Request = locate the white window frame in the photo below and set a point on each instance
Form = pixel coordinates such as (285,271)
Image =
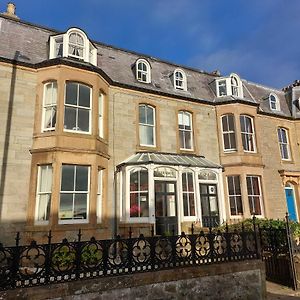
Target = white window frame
(253,195)
(273,99)
(99,195)
(235,195)
(184,130)
(188,193)
(52,106)
(153,126)
(249,135)
(76,221)
(89,50)
(79,107)
(238,87)
(100,115)
(128,192)
(280,131)
(140,72)
(40,193)
(229,133)
(180,83)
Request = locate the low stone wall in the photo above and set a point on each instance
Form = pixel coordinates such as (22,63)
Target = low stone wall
(234,280)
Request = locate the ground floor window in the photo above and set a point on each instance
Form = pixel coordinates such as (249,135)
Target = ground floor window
(188,194)
(254,194)
(235,195)
(139,201)
(74,193)
(44,192)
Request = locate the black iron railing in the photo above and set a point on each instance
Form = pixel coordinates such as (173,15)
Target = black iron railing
(34,264)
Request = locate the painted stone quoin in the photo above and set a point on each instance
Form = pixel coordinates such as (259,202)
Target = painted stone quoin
(103,139)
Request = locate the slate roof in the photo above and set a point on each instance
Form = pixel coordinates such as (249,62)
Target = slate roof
(186,160)
(32,43)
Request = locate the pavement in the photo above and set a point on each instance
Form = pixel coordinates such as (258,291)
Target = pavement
(280,292)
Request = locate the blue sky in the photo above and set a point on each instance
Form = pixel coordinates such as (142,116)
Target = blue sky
(258,39)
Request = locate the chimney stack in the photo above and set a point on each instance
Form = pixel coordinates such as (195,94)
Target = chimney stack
(11,11)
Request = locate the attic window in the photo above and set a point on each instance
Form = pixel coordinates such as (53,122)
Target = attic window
(143,73)
(229,86)
(274,102)
(74,43)
(180,80)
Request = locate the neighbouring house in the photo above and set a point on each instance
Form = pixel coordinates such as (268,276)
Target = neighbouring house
(102,139)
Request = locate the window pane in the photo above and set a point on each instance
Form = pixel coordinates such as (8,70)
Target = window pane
(84,95)
(80,206)
(144,180)
(188,140)
(45,179)
(181,139)
(185,205)
(44,207)
(204,204)
(81,178)
(67,178)
(83,119)
(226,141)
(225,123)
(134,181)
(70,118)
(71,93)
(150,117)
(184,182)
(142,114)
(144,205)
(134,207)
(192,204)
(66,206)
(159,210)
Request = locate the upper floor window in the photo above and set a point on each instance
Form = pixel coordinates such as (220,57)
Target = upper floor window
(228,130)
(188,194)
(77,108)
(229,86)
(43,194)
(180,80)
(274,102)
(185,130)
(146,125)
(248,135)
(74,194)
(139,199)
(283,140)
(100,115)
(143,73)
(49,106)
(73,43)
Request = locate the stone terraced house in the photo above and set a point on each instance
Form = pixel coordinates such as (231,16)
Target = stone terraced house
(103,139)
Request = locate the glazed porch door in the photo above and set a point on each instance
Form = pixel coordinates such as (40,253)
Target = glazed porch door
(209,205)
(290,201)
(165,207)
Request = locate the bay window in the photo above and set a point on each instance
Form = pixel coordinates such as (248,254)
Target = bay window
(247,132)
(235,195)
(254,194)
(77,108)
(228,131)
(49,106)
(74,194)
(43,194)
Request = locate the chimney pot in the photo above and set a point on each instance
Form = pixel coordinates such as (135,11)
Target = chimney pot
(11,11)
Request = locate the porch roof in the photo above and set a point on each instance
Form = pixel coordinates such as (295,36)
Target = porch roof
(170,159)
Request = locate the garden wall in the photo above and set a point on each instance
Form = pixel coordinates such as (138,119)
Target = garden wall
(229,280)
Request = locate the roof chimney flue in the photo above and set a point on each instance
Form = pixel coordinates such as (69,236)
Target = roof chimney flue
(11,11)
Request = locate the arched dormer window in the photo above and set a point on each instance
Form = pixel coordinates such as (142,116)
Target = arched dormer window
(143,73)
(74,43)
(179,80)
(236,86)
(274,102)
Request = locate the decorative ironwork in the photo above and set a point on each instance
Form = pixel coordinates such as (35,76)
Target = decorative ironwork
(34,264)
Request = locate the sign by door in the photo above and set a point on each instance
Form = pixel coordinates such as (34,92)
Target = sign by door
(165,207)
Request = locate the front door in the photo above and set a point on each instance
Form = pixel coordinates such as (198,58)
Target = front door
(165,207)
(209,205)
(290,201)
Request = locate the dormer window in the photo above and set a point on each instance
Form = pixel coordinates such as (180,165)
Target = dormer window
(274,102)
(179,80)
(74,43)
(229,86)
(143,71)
